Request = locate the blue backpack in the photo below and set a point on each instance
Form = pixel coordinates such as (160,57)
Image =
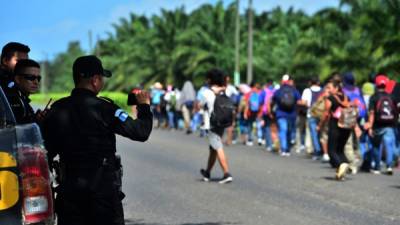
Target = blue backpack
(254,102)
(356,97)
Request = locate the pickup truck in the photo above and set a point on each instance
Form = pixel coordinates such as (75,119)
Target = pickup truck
(25,185)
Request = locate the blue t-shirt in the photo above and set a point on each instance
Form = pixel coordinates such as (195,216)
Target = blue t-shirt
(280,113)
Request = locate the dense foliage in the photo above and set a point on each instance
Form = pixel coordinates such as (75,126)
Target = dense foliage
(360,36)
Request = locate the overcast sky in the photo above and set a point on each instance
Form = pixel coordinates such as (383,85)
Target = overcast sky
(48,25)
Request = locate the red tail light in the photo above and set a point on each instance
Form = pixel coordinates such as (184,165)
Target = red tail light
(36,190)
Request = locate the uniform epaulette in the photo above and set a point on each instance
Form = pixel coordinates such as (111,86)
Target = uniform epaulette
(106,99)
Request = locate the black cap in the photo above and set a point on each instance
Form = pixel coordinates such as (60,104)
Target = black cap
(88,66)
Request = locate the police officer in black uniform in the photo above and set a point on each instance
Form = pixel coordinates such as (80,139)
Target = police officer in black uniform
(27,81)
(81,129)
(10,54)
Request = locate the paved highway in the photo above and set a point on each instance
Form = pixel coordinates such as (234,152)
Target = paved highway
(163,187)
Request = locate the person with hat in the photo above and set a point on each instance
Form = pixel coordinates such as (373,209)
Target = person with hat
(383,116)
(286,100)
(81,129)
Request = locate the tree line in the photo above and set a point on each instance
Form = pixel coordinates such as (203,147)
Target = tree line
(173,46)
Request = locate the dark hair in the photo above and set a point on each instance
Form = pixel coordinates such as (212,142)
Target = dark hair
(25,63)
(314,80)
(216,77)
(11,48)
(337,84)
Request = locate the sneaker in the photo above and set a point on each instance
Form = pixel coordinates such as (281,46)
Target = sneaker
(226,179)
(268,149)
(283,153)
(342,170)
(353,170)
(389,171)
(260,142)
(300,149)
(315,158)
(206,175)
(373,171)
(249,143)
(325,158)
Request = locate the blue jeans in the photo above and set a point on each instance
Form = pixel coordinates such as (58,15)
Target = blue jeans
(171,119)
(260,130)
(250,124)
(267,132)
(397,150)
(365,146)
(285,132)
(196,121)
(312,123)
(387,137)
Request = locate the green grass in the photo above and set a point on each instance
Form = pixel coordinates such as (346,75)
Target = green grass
(119,98)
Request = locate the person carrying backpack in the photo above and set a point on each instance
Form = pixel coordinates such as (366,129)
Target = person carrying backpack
(356,98)
(221,111)
(252,110)
(313,100)
(286,99)
(383,116)
(337,105)
(266,98)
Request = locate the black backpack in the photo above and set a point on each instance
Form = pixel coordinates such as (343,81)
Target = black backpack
(287,99)
(223,113)
(386,110)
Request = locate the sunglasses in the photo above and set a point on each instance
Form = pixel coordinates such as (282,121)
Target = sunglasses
(31,77)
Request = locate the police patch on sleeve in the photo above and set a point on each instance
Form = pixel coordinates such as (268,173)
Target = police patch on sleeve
(11,84)
(121,115)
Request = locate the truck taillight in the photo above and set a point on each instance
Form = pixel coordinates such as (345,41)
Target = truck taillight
(36,190)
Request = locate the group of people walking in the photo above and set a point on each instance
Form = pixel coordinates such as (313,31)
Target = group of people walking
(336,121)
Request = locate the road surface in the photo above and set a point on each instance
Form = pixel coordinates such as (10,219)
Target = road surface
(163,187)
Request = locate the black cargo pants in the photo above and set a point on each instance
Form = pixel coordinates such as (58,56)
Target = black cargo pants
(79,203)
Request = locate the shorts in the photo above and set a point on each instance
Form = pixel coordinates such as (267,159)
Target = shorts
(215,141)
(324,134)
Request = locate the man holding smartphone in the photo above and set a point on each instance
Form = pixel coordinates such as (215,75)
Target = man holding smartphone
(81,129)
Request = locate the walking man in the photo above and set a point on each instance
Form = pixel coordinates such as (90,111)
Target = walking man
(215,100)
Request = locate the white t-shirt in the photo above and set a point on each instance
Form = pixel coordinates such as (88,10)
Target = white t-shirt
(208,100)
(231,90)
(307,94)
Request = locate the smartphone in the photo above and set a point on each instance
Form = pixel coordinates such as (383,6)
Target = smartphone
(132,96)
(48,104)
(132,99)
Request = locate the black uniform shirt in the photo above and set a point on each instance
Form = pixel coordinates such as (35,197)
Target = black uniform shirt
(18,101)
(21,108)
(81,128)
(6,79)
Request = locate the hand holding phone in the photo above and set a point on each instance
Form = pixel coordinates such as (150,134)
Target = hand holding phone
(47,105)
(41,114)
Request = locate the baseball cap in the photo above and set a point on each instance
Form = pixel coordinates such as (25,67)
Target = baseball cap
(286,78)
(88,66)
(381,80)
